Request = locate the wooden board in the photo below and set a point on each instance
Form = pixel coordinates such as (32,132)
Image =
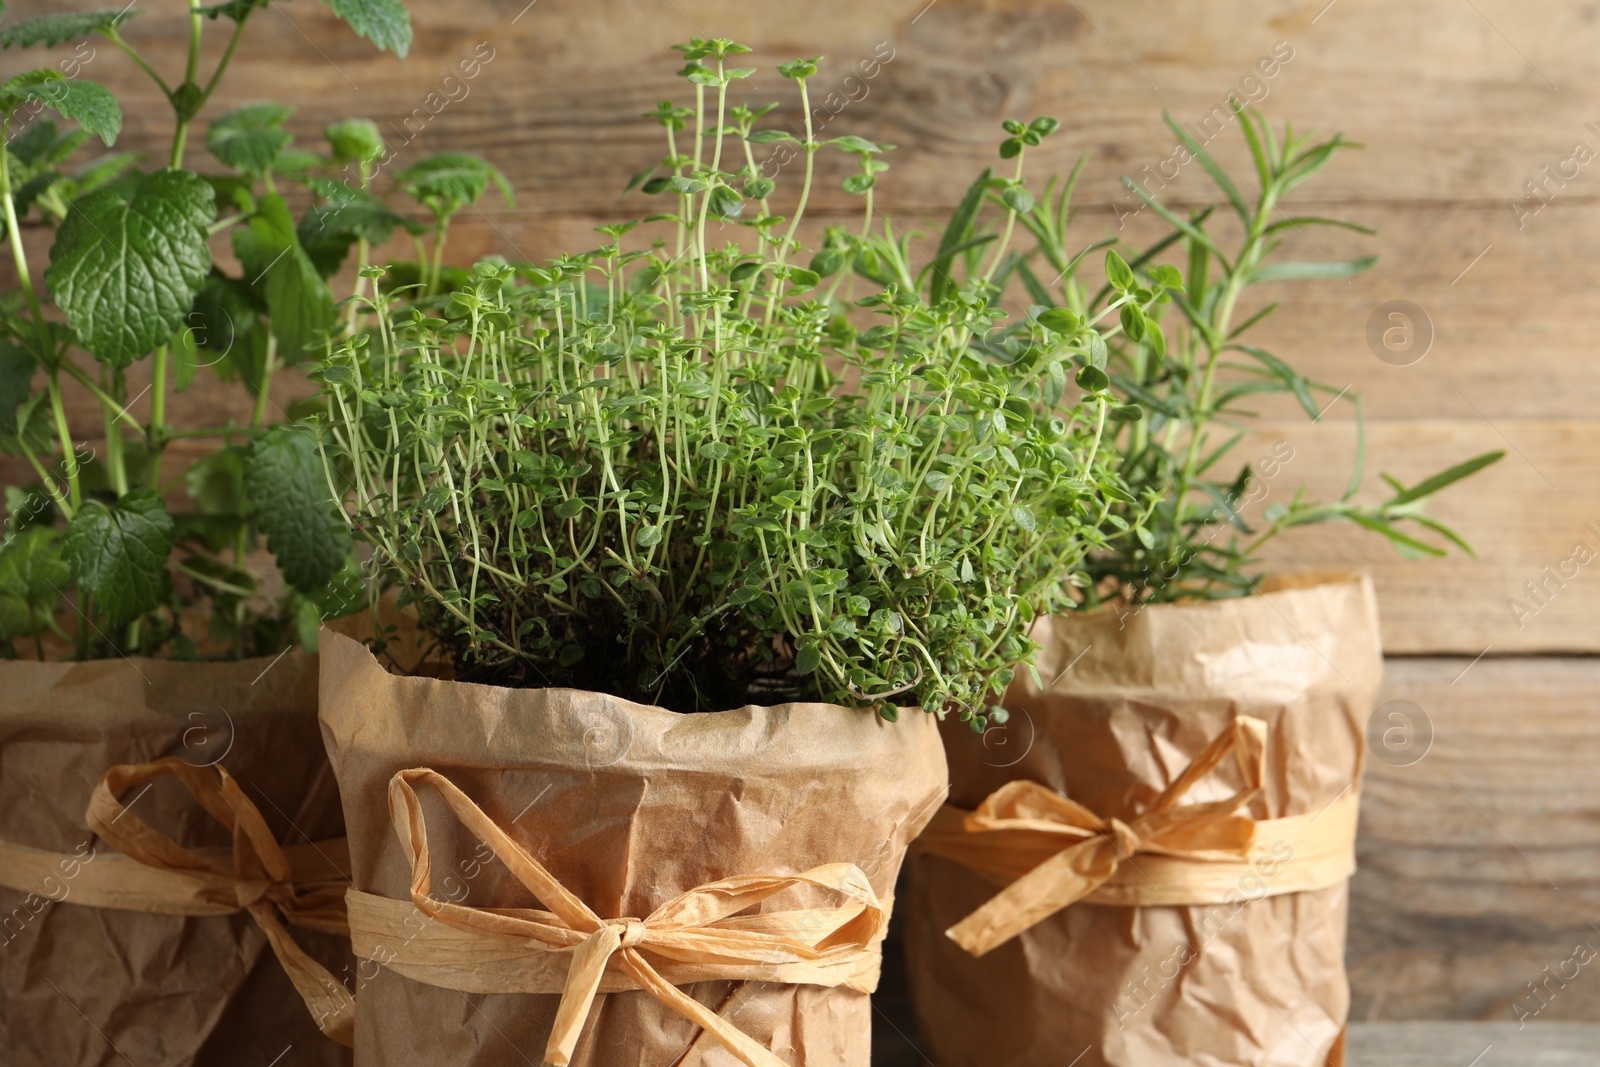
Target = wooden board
(1473,1045)
(1479,862)
(1454,102)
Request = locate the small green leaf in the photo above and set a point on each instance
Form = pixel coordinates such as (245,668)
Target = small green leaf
(1061,320)
(250,138)
(119,553)
(1018,199)
(1092,379)
(1429,486)
(1118,272)
(802,279)
(50,30)
(1342,270)
(807,659)
(285,478)
(649,536)
(354,141)
(385,23)
(87,103)
(1132,322)
(447,181)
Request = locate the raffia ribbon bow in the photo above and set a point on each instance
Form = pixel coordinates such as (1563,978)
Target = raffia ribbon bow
(697,936)
(1054,852)
(301,884)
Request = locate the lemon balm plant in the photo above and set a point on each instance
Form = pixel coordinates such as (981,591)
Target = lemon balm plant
(1192,365)
(131,291)
(685,471)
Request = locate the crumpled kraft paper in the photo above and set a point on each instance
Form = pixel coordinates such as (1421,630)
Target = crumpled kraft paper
(626,806)
(1128,701)
(95,987)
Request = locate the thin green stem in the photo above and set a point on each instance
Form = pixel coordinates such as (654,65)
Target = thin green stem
(116,38)
(155,434)
(64,436)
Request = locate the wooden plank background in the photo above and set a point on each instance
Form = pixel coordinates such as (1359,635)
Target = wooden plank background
(1459,105)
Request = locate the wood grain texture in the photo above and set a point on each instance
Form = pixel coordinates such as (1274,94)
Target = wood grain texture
(1479,853)
(1458,104)
(1472,1045)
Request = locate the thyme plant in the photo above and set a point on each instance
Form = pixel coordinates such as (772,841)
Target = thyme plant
(1196,371)
(684,469)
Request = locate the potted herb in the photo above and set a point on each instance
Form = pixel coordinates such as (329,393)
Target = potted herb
(1153,865)
(696,524)
(132,585)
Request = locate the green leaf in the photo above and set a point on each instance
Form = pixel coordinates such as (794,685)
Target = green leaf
(125,269)
(35,430)
(87,103)
(250,138)
(1061,320)
(1092,379)
(1291,378)
(446,181)
(1343,270)
(51,30)
(1118,273)
(33,579)
(216,483)
(858,145)
(807,659)
(237,10)
(1188,229)
(1401,540)
(1304,221)
(1429,486)
(955,234)
(284,476)
(299,305)
(1018,199)
(16,383)
(1218,175)
(354,141)
(329,229)
(119,553)
(385,23)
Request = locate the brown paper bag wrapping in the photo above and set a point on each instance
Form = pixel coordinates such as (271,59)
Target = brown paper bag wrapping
(1256,983)
(92,987)
(627,806)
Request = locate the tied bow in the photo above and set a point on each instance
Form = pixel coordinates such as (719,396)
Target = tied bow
(697,936)
(1055,852)
(259,877)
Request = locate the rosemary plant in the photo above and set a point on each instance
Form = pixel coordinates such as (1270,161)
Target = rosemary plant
(684,470)
(1188,534)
